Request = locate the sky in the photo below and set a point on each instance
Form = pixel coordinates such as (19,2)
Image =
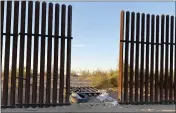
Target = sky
(96,31)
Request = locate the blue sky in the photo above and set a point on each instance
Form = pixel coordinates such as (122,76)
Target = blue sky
(96,28)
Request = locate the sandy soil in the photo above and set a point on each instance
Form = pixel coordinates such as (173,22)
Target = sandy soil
(100,108)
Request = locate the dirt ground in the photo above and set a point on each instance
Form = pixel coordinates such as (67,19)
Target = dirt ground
(100,108)
(97,107)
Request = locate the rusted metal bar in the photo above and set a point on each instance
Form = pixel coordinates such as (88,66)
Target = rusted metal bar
(14,54)
(132,57)
(55,76)
(7,55)
(142,58)
(126,57)
(162,58)
(166,58)
(157,59)
(62,54)
(147,58)
(171,59)
(2,26)
(35,62)
(175,67)
(42,57)
(152,57)
(28,62)
(49,52)
(137,57)
(120,78)
(21,57)
(68,65)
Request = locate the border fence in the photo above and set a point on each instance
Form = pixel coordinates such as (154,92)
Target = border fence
(147,59)
(24,86)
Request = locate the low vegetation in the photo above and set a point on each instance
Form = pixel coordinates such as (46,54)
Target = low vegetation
(100,79)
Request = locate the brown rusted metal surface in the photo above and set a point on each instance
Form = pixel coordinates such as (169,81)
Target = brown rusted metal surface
(166,58)
(49,53)
(126,57)
(147,58)
(56,48)
(120,78)
(157,60)
(7,55)
(35,61)
(152,57)
(68,65)
(162,57)
(171,59)
(2,25)
(28,60)
(137,56)
(62,54)
(21,57)
(132,57)
(175,66)
(14,54)
(142,58)
(42,57)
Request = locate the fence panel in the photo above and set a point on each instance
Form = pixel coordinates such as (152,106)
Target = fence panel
(154,71)
(27,86)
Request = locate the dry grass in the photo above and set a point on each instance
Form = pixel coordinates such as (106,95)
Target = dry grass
(101,79)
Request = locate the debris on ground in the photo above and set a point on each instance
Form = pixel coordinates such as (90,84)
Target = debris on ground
(81,95)
(90,91)
(104,97)
(78,98)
